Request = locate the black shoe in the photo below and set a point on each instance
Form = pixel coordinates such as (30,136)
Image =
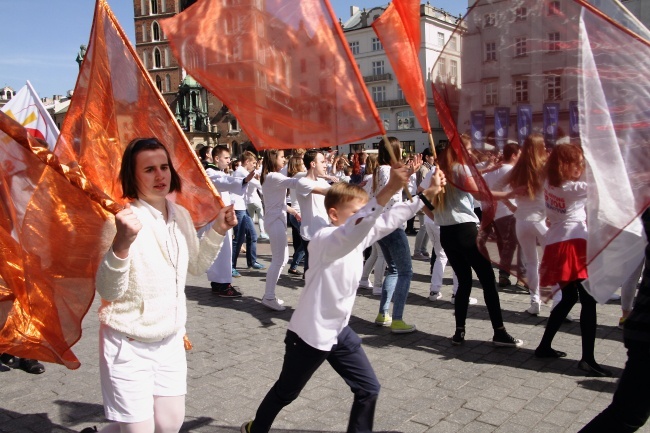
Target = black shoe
(458,337)
(504,281)
(92,429)
(548,352)
(31,366)
(229,292)
(294,272)
(594,369)
(10,360)
(503,339)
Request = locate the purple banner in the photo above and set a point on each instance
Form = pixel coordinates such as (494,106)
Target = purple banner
(551,119)
(478,129)
(524,122)
(501,125)
(574,119)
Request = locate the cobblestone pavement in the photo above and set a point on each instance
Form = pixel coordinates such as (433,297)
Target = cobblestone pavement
(428,385)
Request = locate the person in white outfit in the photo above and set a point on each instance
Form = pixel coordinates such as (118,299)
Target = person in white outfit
(252,195)
(141,281)
(274,188)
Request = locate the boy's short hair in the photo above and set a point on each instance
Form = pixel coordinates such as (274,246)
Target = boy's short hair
(247,156)
(218,150)
(344,192)
(310,156)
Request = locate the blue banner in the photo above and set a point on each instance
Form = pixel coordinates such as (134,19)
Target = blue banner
(551,119)
(524,122)
(478,129)
(501,125)
(574,119)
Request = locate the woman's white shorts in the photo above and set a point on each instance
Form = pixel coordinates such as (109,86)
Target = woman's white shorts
(133,372)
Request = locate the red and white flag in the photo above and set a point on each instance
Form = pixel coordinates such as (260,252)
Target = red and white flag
(27,109)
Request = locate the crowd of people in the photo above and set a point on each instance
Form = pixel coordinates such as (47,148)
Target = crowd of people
(349,218)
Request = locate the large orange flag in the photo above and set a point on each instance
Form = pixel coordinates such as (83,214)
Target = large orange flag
(50,246)
(114,102)
(282,67)
(398,29)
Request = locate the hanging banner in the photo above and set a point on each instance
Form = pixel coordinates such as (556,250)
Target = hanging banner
(478,129)
(524,122)
(574,120)
(551,118)
(501,125)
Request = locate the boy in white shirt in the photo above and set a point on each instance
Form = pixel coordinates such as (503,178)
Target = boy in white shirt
(310,193)
(318,330)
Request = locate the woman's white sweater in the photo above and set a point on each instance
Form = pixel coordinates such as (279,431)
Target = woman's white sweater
(143,296)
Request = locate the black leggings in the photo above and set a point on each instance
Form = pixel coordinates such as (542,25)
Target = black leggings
(459,242)
(570,294)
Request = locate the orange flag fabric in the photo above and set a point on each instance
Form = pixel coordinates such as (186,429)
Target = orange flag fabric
(50,246)
(114,102)
(282,67)
(398,29)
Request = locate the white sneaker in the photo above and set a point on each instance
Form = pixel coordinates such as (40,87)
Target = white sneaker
(376,291)
(472,301)
(434,296)
(273,304)
(534,308)
(364,283)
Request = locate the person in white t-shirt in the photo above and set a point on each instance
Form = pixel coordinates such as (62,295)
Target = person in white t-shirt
(319,330)
(565,255)
(274,188)
(252,197)
(504,220)
(310,192)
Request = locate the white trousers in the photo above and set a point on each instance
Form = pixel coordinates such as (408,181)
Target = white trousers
(529,234)
(221,269)
(277,231)
(433,230)
(377,262)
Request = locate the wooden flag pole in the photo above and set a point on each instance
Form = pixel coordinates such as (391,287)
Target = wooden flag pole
(393,160)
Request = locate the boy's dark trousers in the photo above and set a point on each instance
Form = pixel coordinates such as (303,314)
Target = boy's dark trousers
(347,358)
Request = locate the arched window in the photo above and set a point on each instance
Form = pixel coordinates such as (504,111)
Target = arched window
(155,31)
(145,59)
(157,58)
(405,119)
(154,7)
(159,83)
(168,83)
(167,57)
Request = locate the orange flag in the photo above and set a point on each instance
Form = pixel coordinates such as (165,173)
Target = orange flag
(50,246)
(114,102)
(283,68)
(398,29)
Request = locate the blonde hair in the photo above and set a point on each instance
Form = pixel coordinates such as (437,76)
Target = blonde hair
(344,192)
(529,169)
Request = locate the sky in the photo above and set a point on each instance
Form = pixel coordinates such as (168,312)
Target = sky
(41,38)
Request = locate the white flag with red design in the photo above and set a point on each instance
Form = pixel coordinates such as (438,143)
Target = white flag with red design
(27,109)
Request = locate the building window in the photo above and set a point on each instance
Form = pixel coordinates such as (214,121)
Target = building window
(354,47)
(145,59)
(554,41)
(490,92)
(441,39)
(453,41)
(554,8)
(553,88)
(442,67)
(491,52)
(168,83)
(144,32)
(376,44)
(489,20)
(155,31)
(378,67)
(520,47)
(400,93)
(405,120)
(233,126)
(379,93)
(385,119)
(157,58)
(159,83)
(520,14)
(154,7)
(453,68)
(521,90)
(408,146)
